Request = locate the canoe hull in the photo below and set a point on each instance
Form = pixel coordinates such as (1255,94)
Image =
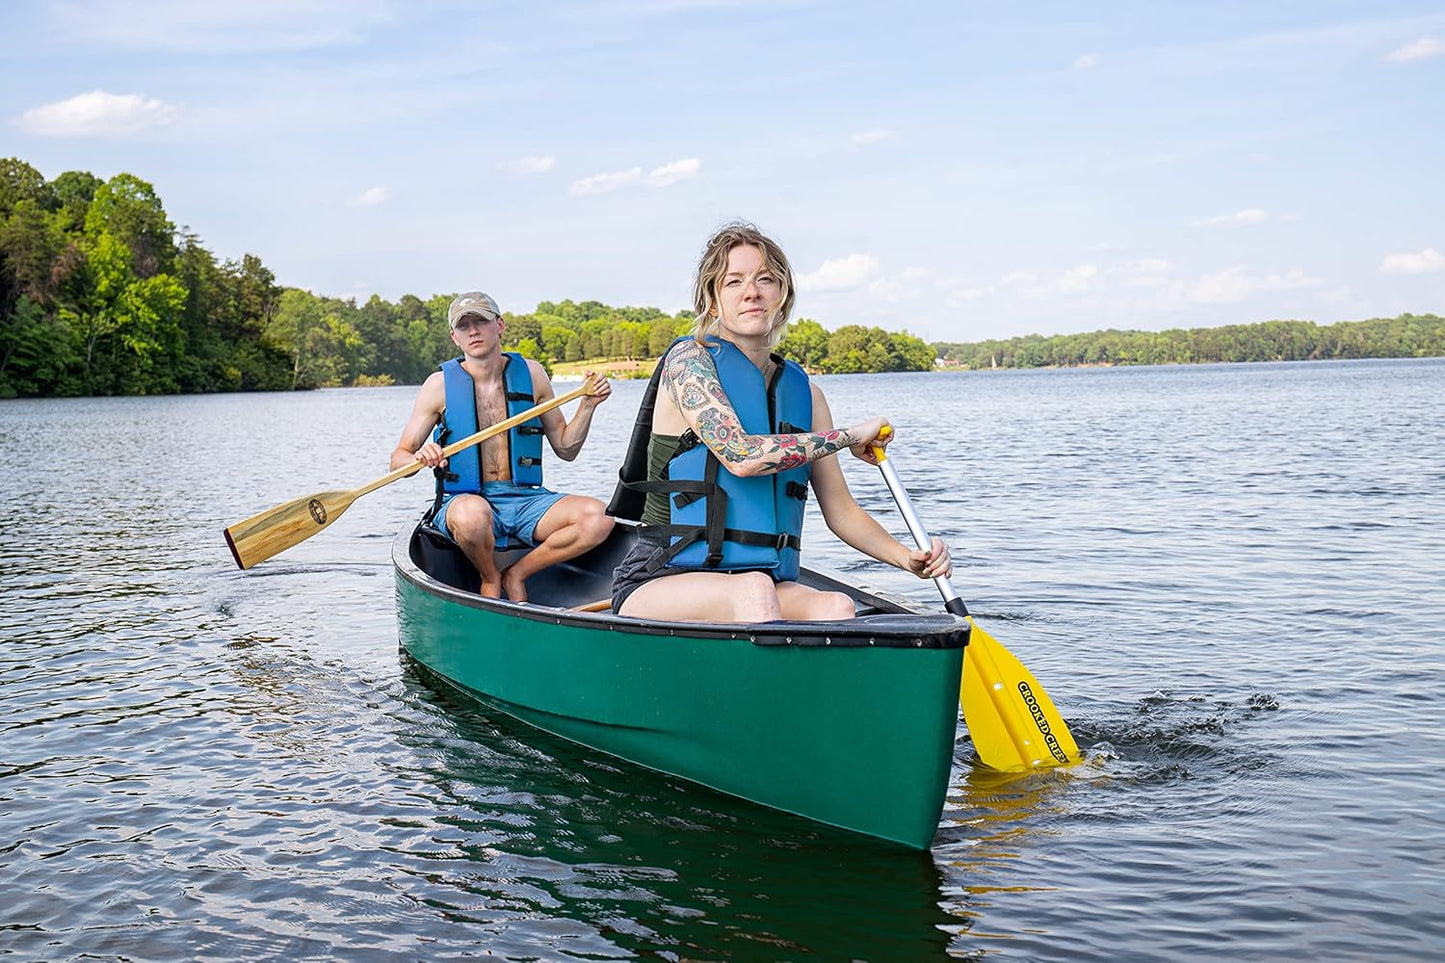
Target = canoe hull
(855,735)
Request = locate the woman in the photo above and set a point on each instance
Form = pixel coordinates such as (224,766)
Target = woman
(727,441)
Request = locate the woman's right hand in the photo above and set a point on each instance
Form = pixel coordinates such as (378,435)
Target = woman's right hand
(870,434)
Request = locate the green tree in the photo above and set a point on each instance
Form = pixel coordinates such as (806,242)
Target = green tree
(660,333)
(294,329)
(806,342)
(127,208)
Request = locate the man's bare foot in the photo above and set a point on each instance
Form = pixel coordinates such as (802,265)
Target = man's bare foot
(491,590)
(516,588)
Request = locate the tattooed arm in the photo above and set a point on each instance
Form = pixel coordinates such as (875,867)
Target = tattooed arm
(690,378)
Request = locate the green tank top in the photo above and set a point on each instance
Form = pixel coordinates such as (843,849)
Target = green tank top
(660,449)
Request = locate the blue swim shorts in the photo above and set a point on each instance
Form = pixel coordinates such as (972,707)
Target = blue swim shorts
(516,510)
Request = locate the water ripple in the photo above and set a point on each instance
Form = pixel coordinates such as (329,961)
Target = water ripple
(1225,577)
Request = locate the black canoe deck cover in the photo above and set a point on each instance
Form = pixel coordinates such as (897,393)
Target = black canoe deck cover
(570,590)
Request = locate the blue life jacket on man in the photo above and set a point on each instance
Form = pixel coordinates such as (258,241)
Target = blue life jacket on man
(463,473)
(721,521)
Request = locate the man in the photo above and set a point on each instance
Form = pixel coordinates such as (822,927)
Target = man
(492,493)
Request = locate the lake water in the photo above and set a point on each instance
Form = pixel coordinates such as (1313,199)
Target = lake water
(1230,579)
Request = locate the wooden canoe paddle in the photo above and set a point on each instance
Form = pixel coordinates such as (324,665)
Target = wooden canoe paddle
(1012,721)
(277,529)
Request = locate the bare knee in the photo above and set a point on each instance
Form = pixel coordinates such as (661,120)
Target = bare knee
(470,521)
(754,597)
(811,605)
(834,606)
(596,524)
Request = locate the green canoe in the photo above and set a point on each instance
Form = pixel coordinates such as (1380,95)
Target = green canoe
(848,723)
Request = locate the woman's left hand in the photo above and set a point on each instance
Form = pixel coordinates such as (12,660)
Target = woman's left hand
(932,563)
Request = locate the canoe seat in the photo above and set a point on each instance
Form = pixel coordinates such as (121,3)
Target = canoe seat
(601,605)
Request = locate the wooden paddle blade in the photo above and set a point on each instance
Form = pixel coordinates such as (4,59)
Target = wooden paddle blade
(1012,721)
(277,529)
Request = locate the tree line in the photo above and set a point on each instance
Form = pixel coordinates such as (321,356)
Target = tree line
(101,294)
(1407,336)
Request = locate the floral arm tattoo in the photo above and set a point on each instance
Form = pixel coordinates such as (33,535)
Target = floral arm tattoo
(691,378)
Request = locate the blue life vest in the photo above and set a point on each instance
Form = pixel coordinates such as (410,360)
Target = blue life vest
(463,473)
(721,521)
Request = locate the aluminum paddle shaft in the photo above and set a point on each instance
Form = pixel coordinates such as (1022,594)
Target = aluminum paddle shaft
(1012,721)
(951,600)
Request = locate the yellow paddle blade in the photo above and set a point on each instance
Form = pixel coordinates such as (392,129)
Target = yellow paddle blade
(1012,721)
(277,529)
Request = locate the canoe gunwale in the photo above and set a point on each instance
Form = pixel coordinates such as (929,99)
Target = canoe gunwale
(907,627)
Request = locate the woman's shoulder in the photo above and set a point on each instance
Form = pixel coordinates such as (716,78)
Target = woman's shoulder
(684,357)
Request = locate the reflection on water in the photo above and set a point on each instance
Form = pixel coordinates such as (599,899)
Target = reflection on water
(657,862)
(1226,578)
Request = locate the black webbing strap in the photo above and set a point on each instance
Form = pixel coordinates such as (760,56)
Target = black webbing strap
(687,535)
(695,488)
(441,475)
(520,396)
(716,514)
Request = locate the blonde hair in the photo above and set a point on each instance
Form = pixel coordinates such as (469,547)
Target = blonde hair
(713,267)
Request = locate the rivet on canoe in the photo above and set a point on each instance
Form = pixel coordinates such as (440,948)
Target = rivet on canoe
(827,640)
(871,641)
(788,639)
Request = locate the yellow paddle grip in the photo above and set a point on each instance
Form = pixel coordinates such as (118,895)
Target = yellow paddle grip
(878,449)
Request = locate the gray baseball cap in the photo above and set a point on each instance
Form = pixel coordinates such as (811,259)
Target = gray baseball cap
(473,302)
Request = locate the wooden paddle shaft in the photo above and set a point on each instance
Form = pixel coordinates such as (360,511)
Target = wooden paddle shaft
(277,529)
(488,432)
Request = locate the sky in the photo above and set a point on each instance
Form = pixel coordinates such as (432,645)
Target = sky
(958,170)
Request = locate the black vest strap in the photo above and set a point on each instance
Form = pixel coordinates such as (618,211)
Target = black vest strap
(632,489)
(688,534)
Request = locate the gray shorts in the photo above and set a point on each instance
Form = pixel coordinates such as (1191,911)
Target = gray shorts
(646,561)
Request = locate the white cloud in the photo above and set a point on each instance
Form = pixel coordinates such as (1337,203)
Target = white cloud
(98,114)
(840,274)
(528,165)
(958,297)
(1422,49)
(1147,265)
(1070,282)
(1250,215)
(1428,261)
(887,289)
(1019,277)
(602,183)
(1237,283)
(678,170)
(371,197)
(865,138)
(1086,61)
(1077,279)
(664,176)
